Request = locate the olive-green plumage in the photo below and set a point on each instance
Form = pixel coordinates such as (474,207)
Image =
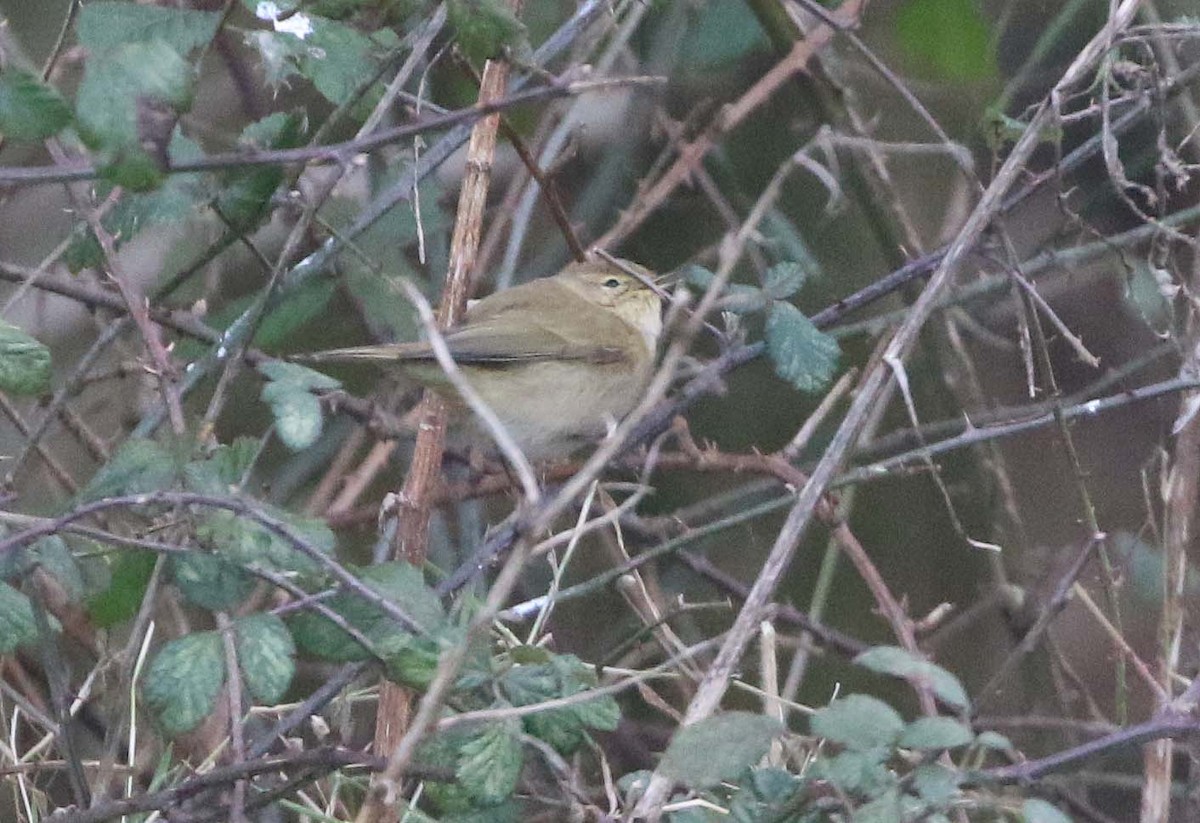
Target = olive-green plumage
(559,360)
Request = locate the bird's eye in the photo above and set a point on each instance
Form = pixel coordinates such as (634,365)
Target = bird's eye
(611,283)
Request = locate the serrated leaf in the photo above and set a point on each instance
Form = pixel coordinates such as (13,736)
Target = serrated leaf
(858,722)
(899,662)
(802,354)
(107,25)
(560,676)
(784,279)
(490,762)
(183,681)
(1036,810)
(30,110)
(718,748)
(138,467)
(17,624)
(210,581)
(441,750)
(485,28)
(24,362)
(935,733)
(266,656)
(128,95)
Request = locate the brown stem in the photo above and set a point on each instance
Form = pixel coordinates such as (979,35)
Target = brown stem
(416,498)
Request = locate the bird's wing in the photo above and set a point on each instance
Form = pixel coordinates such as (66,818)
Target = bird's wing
(498,340)
(490,342)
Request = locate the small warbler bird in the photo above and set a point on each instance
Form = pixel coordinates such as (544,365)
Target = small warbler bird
(559,360)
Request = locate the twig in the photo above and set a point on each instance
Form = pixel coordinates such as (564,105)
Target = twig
(873,385)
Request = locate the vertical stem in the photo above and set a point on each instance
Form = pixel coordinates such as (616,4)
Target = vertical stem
(416,498)
(1182,486)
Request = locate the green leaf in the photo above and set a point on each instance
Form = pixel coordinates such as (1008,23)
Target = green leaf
(123,597)
(17,624)
(210,581)
(858,722)
(856,772)
(139,466)
(490,762)
(175,200)
(24,362)
(718,748)
(246,542)
(802,354)
(224,470)
(1036,810)
(736,298)
(183,681)
(766,796)
(441,750)
(726,30)
(400,583)
(784,279)
(302,305)
(298,416)
(278,371)
(950,38)
(127,105)
(403,584)
(336,58)
(935,733)
(486,28)
(936,784)
(372,277)
(245,199)
(54,557)
(899,662)
(995,741)
(30,110)
(560,676)
(108,25)
(413,661)
(266,656)
(883,809)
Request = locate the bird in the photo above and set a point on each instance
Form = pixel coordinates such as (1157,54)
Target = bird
(560,360)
